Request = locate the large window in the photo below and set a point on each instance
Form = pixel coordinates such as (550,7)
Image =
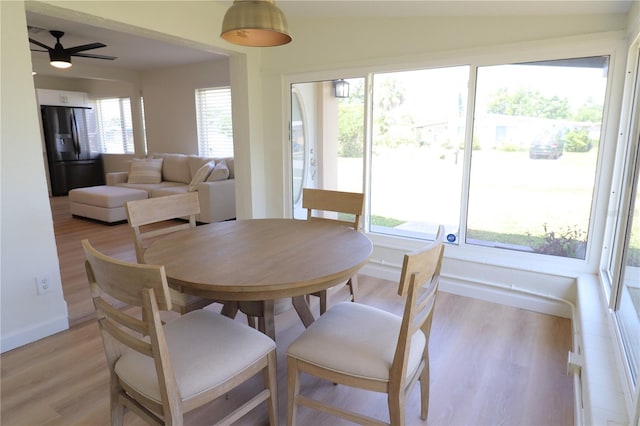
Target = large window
(535,147)
(114,125)
(215,131)
(418,137)
(521,178)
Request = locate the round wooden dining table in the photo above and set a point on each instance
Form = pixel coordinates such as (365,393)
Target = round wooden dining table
(261,260)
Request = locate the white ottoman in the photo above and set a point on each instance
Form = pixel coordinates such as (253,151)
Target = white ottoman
(104,203)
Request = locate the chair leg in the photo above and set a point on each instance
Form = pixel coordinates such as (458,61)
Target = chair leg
(424,390)
(353,287)
(324,301)
(229,309)
(293,389)
(396,408)
(251,321)
(117,408)
(271,382)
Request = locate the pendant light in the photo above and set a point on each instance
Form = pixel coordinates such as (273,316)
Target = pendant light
(257,23)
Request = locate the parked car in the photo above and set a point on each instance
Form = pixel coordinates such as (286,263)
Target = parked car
(546,148)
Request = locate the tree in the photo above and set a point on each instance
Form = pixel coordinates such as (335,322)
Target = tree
(589,112)
(351,129)
(577,140)
(528,103)
(390,96)
(351,121)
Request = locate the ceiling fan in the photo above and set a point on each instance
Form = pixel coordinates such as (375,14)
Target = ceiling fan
(61,57)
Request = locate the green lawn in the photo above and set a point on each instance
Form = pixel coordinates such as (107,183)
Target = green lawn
(542,204)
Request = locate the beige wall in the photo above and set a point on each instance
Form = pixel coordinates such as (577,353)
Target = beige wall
(170,105)
(169,99)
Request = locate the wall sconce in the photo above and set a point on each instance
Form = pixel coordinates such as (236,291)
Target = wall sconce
(258,23)
(341,88)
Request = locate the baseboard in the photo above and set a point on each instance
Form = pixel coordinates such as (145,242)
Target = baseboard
(490,292)
(33,333)
(516,298)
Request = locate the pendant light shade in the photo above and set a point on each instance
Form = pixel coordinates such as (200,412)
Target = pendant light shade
(256,23)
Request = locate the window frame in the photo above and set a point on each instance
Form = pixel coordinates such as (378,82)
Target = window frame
(625,189)
(607,45)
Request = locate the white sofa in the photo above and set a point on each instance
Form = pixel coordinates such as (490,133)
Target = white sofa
(181,173)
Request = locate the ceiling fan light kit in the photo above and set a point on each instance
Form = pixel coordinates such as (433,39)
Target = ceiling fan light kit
(257,23)
(60,57)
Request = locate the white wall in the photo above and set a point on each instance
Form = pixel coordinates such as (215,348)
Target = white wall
(27,242)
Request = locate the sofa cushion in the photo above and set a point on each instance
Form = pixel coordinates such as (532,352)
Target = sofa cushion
(169,190)
(150,187)
(175,167)
(230,165)
(105,196)
(200,175)
(145,170)
(220,172)
(195,162)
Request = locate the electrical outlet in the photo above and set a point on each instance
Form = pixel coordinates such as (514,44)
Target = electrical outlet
(43,284)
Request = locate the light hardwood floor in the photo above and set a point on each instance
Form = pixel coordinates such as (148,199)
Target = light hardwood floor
(490,364)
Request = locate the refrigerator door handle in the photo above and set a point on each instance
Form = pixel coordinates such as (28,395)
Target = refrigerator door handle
(74,130)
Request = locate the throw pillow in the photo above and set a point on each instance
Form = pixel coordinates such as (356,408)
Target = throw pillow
(201,175)
(220,172)
(145,171)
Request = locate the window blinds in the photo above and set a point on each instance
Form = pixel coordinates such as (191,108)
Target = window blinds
(215,131)
(114,125)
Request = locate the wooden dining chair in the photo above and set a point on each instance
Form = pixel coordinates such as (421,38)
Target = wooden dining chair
(364,347)
(162,371)
(155,217)
(340,207)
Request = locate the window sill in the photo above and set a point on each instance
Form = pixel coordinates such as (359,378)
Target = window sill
(602,393)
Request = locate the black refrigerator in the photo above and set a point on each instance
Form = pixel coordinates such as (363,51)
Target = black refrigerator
(72,148)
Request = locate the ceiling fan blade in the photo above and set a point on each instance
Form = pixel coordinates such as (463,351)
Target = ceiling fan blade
(40,44)
(90,55)
(38,50)
(84,47)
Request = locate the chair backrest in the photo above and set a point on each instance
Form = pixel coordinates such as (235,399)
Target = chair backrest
(142,213)
(139,285)
(318,201)
(419,281)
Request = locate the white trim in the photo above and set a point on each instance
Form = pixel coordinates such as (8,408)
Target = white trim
(602,392)
(34,332)
(607,43)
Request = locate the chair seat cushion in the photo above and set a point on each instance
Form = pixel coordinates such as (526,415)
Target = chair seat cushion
(205,348)
(355,339)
